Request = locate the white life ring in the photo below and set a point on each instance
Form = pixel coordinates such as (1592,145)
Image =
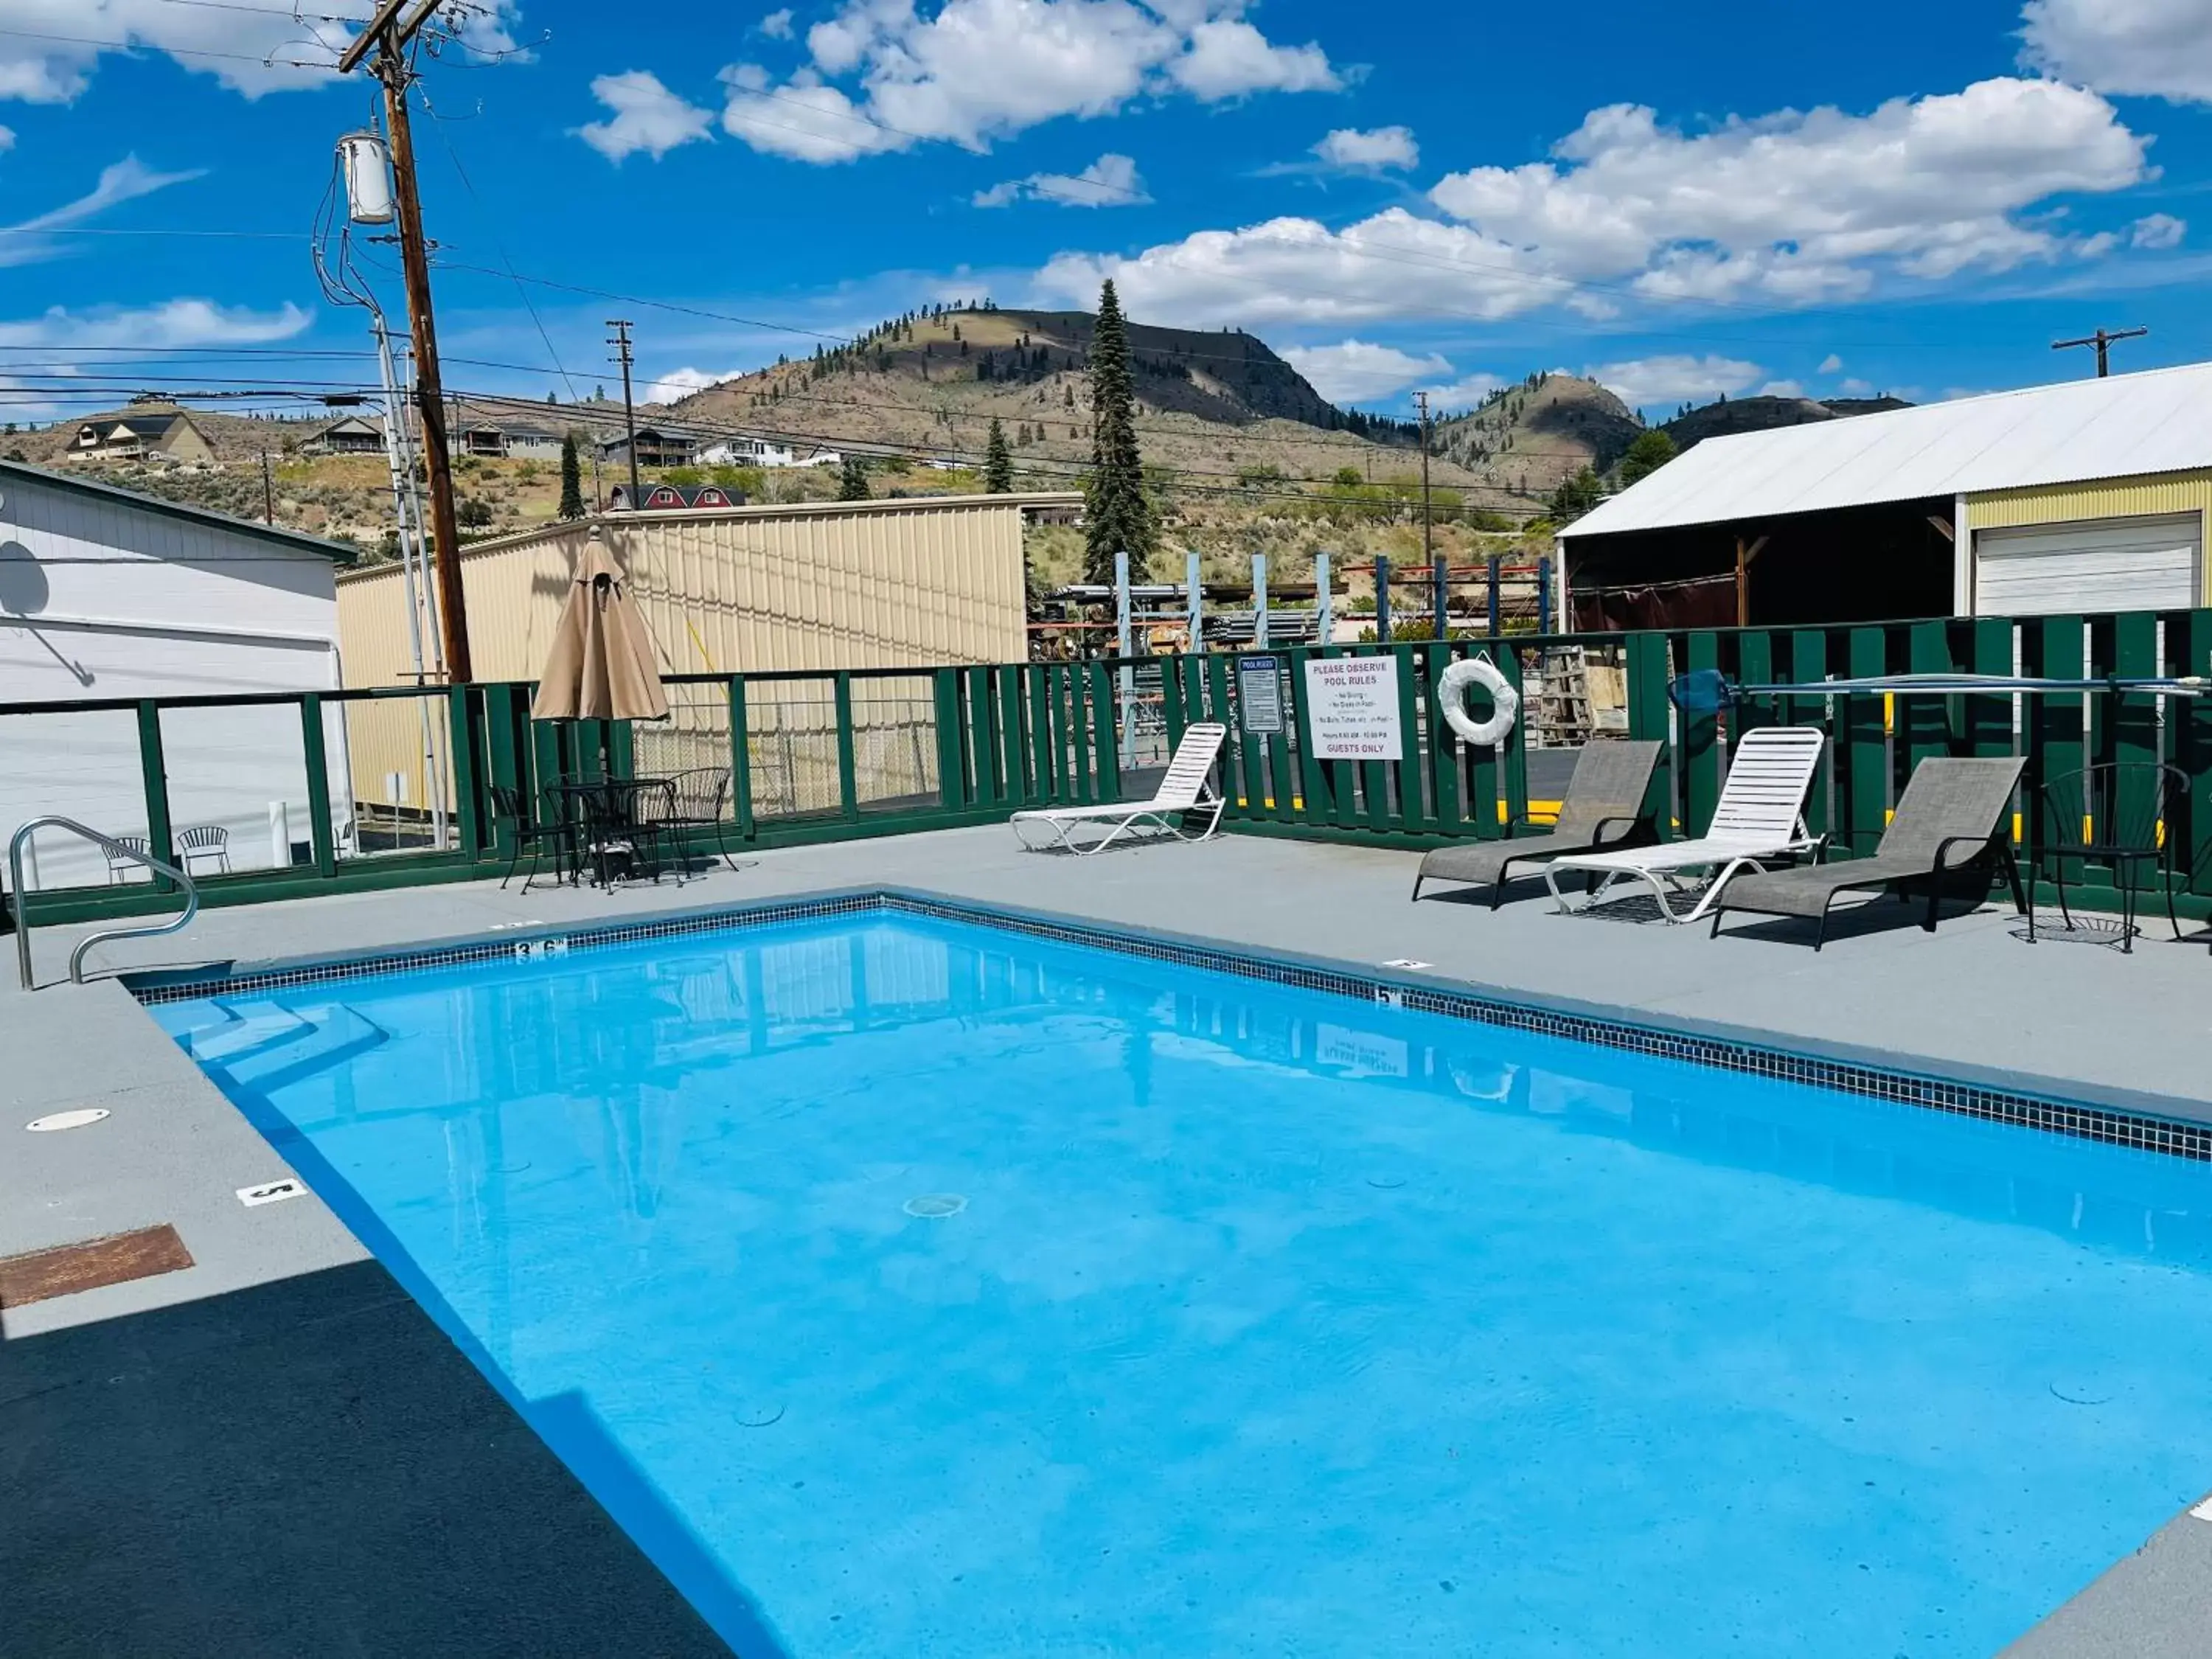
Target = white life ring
(1504,700)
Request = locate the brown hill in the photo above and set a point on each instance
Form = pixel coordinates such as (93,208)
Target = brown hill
(1526,437)
(1729,415)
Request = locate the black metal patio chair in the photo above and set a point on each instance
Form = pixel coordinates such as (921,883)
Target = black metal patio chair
(2112,825)
(700,800)
(510,807)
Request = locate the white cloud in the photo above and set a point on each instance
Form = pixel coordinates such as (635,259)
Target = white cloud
(121,181)
(1464,393)
(250,49)
(1783,389)
(1789,209)
(2152,48)
(2157,231)
(646,116)
(1111,181)
(1831,363)
(1355,371)
(683,382)
(1298,270)
(1856,388)
(1371,151)
(1649,381)
(171,323)
(777,25)
(974,70)
(1801,206)
(1230,58)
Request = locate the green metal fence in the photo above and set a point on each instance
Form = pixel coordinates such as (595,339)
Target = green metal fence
(830,756)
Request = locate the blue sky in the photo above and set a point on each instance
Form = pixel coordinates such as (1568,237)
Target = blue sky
(1730,196)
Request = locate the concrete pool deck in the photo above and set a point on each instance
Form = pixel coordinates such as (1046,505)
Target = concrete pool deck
(1972,1001)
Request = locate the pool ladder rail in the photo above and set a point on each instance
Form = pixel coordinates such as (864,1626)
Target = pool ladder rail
(114,849)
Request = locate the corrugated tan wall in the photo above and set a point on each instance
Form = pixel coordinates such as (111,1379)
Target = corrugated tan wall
(2106,498)
(862,584)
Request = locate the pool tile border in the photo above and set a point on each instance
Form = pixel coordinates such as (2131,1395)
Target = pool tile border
(2141,1131)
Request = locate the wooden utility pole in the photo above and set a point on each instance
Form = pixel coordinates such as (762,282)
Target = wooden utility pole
(268,492)
(388,33)
(620,343)
(2102,339)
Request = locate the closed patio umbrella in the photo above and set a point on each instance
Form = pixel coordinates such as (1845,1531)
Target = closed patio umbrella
(601,667)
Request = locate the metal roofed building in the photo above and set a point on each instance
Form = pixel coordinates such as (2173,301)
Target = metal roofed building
(108,594)
(2089,496)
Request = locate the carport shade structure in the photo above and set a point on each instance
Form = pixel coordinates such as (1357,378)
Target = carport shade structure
(601,666)
(1860,517)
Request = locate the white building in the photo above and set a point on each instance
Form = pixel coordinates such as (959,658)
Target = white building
(105,594)
(2089,496)
(746,451)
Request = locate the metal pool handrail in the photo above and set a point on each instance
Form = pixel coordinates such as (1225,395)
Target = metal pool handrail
(114,849)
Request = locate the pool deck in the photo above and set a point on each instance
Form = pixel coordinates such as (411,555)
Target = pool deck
(1973,1000)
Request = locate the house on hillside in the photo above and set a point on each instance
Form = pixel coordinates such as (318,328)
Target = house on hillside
(655,497)
(745,451)
(107,593)
(149,429)
(506,440)
(356,434)
(656,446)
(2083,498)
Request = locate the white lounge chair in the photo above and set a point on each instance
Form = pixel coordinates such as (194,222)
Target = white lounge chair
(1760,817)
(1184,790)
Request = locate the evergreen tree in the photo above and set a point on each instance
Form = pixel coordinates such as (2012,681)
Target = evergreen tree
(853,480)
(572,480)
(1651,451)
(1576,496)
(998,462)
(1118,517)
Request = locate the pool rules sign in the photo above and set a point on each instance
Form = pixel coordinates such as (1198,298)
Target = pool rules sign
(1352,704)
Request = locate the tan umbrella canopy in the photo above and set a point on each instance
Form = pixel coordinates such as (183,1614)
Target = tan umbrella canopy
(601,667)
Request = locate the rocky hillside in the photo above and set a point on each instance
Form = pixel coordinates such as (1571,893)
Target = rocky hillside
(1729,415)
(1526,437)
(1215,410)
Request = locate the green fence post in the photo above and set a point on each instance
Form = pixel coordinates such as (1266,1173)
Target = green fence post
(2131,727)
(319,787)
(1316,805)
(741,755)
(1513,756)
(507,764)
(1234,785)
(1648,719)
(1701,748)
(1412,809)
(1924,723)
(849,791)
(1808,665)
(1444,747)
(1012,739)
(1985,722)
(1284,792)
(952,769)
(1036,726)
(1866,776)
(983,735)
(1754,666)
(1106,734)
(464,730)
(2188,647)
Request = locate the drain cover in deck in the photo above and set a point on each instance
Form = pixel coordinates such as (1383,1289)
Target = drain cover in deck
(38,1275)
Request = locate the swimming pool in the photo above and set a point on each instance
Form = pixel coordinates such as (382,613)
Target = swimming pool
(906,1286)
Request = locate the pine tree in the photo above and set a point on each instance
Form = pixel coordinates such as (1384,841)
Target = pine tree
(572,480)
(1117,517)
(853,480)
(998,463)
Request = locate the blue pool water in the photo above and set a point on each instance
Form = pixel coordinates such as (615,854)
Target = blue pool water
(908,1287)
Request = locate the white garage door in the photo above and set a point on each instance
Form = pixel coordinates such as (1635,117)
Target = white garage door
(2120,564)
